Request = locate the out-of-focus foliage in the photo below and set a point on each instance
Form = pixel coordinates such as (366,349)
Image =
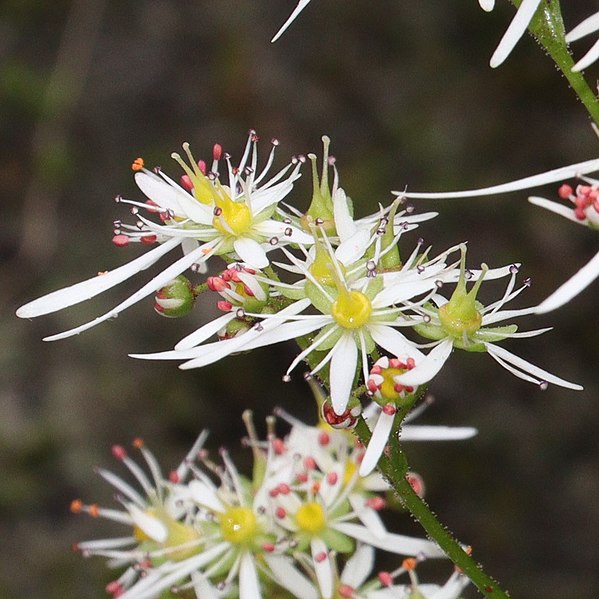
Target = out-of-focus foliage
(404,90)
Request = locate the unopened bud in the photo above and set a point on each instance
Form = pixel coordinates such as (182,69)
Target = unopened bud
(175,299)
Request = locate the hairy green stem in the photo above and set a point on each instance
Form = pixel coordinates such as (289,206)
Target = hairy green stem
(548,29)
(394,466)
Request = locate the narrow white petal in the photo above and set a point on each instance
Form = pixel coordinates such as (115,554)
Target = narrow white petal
(588,59)
(572,287)
(452,588)
(201,334)
(203,588)
(352,249)
(552,176)
(358,566)
(298,9)
(69,296)
(543,375)
(415,432)
(367,516)
(515,31)
(342,371)
(289,577)
(394,342)
(487,5)
(376,445)
(560,209)
(250,252)
(344,223)
(122,486)
(249,587)
(427,368)
(589,25)
(151,526)
(322,567)
(167,275)
(394,543)
(287,233)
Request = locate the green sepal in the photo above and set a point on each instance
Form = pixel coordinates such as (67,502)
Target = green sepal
(337,541)
(319,300)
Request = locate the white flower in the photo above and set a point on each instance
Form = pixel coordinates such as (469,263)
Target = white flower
(206,218)
(296,11)
(588,26)
(463,322)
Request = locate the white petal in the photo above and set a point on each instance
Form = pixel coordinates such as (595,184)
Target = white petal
(322,568)
(394,543)
(588,59)
(353,248)
(250,252)
(69,296)
(572,287)
(249,587)
(358,566)
(394,342)
(515,31)
(298,9)
(289,577)
(165,277)
(552,176)
(427,368)
(342,371)
(285,232)
(344,223)
(589,25)
(376,445)
(499,352)
(560,209)
(202,587)
(367,516)
(152,527)
(487,5)
(414,432)
(201,334)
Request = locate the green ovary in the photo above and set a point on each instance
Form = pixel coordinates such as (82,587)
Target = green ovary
(351,310)
(238,525)
(310,518)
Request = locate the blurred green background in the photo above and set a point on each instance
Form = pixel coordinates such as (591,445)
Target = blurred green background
(404,90)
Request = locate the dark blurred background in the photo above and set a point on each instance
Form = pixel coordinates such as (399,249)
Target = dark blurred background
(404,90)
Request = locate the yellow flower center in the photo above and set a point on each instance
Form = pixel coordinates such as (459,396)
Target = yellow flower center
(350,470)
(238,525)
(310,518)
(351,310)
(231,218)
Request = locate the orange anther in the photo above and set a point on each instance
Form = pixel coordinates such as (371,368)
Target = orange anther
(93,510)
(138,443)
(76,506)
(409,563)
(137,164)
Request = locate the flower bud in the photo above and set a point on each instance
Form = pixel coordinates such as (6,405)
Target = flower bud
(348,419)
(175,299)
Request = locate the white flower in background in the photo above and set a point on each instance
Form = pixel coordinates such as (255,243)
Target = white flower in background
(463,322)
(588,26)
(296,11)
(585,198)
(203,216)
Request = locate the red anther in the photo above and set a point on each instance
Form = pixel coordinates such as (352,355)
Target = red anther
(280,513)
(583,189)
(224,306)
(278,446)
(75,547)
(315,487)
(395,363)
(234,275)
(268,547)
(324,439)
(248,291)
(120,240)
(398,387)
(302,477)
(596,205)
(320,557)
(565,191)
(372,386)
(332,478)
(593,194)
(416,482)
(76,506)
(119,452)
(138,443)
(284,489)
(274,492)
(158,308)
(410,363)
(186,182)
(390,409)
(173,476)
(217,152)
(149,239)
(217,284)
(344,590)
(202,166)
(385,578)
(93,510)
(137,164)
(376,369)
(579,213)
(114,588)
(309,463)
(376,503)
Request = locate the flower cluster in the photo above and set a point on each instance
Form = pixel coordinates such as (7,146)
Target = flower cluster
(304,525)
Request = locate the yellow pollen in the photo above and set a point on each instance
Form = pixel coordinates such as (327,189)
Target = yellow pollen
(310,517)
(238,525)
(351,310)
(234,218)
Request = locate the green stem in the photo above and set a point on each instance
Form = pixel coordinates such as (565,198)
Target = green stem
(548,29)
(395,466)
